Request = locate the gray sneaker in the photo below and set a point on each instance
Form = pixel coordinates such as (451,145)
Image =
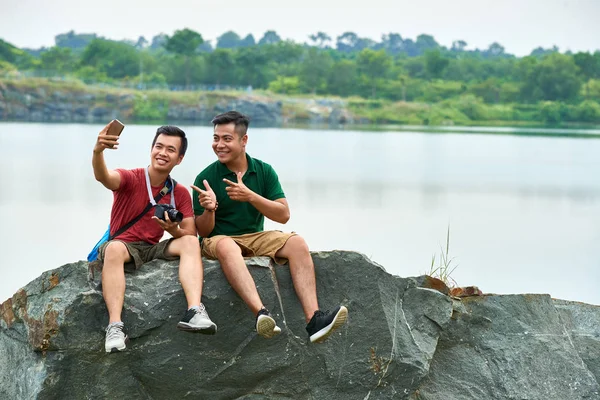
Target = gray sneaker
(197,321)
(116,339)
(265,324)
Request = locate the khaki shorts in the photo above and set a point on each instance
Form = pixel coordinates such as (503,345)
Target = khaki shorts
(141,252)
(266,243)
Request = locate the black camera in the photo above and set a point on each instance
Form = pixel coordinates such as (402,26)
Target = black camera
(174,214)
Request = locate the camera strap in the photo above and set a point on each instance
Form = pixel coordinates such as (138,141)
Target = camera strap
(153,201)
(169,186)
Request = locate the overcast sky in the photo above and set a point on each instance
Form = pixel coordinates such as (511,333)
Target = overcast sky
(518,25)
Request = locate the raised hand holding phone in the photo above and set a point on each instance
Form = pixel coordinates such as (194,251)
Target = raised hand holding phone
(108,138)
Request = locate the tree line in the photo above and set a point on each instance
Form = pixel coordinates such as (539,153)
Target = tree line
(392,69)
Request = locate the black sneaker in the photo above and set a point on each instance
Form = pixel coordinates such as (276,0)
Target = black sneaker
(197,321)
(322,324)
(265,324)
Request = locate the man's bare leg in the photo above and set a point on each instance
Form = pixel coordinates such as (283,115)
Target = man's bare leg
(302,270)
(191,275)
(113,290)
(230,257)
(113,279)
(320,325)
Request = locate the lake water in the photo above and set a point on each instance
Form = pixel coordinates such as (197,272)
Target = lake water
(523,211)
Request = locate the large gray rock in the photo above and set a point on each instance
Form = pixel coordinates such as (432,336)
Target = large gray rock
(51,336)
(515,347)
(582,325)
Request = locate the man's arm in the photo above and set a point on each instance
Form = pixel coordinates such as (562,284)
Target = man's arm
(276,210)
(111,179)
(205,223)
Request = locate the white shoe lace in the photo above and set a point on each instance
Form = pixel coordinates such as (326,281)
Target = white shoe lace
(114,332)
(202,311)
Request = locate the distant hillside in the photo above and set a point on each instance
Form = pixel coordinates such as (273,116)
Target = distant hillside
(37,99)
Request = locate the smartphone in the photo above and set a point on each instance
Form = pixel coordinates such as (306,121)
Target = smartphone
(115,127)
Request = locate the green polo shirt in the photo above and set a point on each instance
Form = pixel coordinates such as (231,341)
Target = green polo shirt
(235,217)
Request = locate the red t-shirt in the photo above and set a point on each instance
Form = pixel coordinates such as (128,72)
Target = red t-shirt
(131,198)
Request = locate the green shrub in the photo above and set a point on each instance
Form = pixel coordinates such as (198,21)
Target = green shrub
(471,106)
(285,85)
(441,90)
(550,112)
(150,108)
(588,111)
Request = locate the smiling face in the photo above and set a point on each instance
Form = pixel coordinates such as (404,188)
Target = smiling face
(228,145)
(165,153)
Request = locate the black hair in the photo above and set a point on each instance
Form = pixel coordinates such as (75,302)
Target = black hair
(240,121)
(171,130)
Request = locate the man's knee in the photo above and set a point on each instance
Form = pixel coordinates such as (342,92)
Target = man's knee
(297,245)
(189,244)
(227,247)
(115,252)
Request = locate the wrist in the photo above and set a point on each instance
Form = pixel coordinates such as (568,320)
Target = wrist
(175,232)
(212,210)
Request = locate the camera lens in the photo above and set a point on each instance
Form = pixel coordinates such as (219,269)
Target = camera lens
(175,216)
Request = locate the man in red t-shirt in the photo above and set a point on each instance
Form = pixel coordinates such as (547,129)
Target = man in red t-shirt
(133,190)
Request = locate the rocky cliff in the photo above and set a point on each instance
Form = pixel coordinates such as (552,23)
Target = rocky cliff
(405,339)
(48,101)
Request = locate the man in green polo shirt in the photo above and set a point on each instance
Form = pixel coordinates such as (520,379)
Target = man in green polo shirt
(235,194)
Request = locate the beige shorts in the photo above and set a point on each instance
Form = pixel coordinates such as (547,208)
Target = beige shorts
(266,243)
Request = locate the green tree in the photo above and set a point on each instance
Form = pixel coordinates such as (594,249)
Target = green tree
(285,84)
(16,56)
(284,57)
(495,50)
(114,59)
(248,41)
(270,37)
(342,78)
(314,68)
(374,66)
(425,43)
(185,43)
(555,78)
(435,63)
(589,67)
(392,43)
(459,46)
(347,42)
(488,90)
(159,41)
(320,39)
(253,67)
(228,40)
(588,111)
(59,59)
(221,64)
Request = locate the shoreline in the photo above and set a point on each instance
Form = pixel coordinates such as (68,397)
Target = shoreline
(51,101)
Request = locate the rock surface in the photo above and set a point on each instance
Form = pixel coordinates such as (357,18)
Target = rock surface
(404,339)
(98,105)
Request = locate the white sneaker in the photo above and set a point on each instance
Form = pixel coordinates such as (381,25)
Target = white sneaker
(197,321)
(116,339)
